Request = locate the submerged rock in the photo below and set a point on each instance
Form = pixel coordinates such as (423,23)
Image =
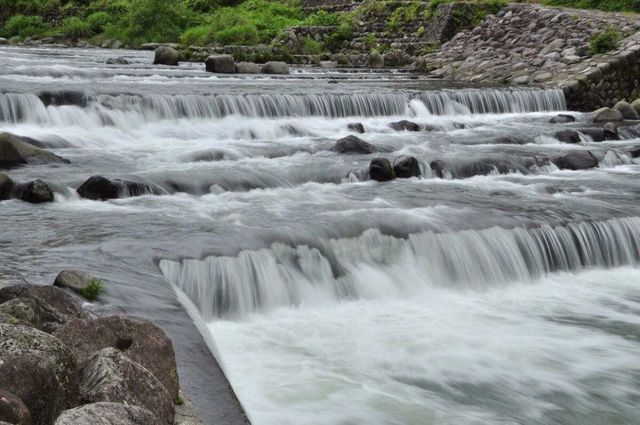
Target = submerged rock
(38,369)
(110,376)
(562,119)
(99,188)
(106,413)
(13,410)
(6,186)
(405,125)
(220,64)
(626,110)
(141,341)
(406,166)
(380,169)
(356,126)
(577,160)
(117,61)
(610,131)
(35,192)
(166,55)
(275,67)
(16,151)
(353,144)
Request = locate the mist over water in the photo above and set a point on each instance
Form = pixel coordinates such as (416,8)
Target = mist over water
(502,291)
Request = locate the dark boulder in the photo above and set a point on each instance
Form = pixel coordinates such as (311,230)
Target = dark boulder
(406,166)
(63,97)
(110,376)
(594,133)
(100,188)
(576,160)
(38,369)
(166,55)
(405,125)
(16,151)
(568,136)
(628,112)
(141,341)
(220,64)
(13,410)
(6,186)
(107,414)
(356,126)
(380,169)
(610,131)
(35,192)
(562,119)
(437,168)
(353,144)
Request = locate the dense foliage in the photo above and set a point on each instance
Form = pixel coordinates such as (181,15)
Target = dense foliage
(607,5)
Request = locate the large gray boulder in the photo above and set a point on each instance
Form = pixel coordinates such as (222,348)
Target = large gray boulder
(106,413)
(109,375)
(16,151)
(35,192)
(406,167)
(607,114)
(275,67)
(140,340)
(166,55)
(38,369)
(13,410)
(6,186)
(353,144)
(248,68)
(380,169)
(73,280)
(628,112)
(577,160)
(220,64)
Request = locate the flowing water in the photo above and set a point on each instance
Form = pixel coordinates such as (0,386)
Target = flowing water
(505,292)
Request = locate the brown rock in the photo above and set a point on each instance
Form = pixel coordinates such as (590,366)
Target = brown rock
(13,410)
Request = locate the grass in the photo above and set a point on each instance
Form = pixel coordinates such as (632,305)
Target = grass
(94,288)
(605,41)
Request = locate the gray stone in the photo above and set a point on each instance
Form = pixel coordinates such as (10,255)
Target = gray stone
(6,186)
(275,68)
(568,136)
(140,340)
(248,68)
(186,413)
(571,59)
(542,77)
(554,46)
(38,369)
(628,112)
(380,169)
(220,64)
(406,166)
(356,126)
(577,160)
(25,310)
(562,119)
(110,376)
(636,105)
(166,55)
(404,125)
(106,413)
(16,151)
(13,410)
(610,131)
(523,79)
(35,192)
(607,114)
(328,64)
(352,144)
(74,280)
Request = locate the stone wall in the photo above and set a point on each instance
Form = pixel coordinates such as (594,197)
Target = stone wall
(533,45)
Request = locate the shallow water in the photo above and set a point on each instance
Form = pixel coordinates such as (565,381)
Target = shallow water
(504,293)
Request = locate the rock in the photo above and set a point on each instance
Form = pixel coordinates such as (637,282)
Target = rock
(107,414)
(577,160)
(149,46)
(328,64)
(3,41)
(375,60)
(25,310)
(554,46)
(380,169)
(636,106)
(523,79)
(117,61)
(355,126)
(628,112)
(166,55)
(100,188)
(275,68)
(220,64)
(542,77)
(110,376)
(186,413)
(13,410)
(406,166)
(74,280)
(610,131)
(6,186)
(141,341)
(38,369)
(568,136)
(405,125)
(248,68)
(353,144)
(437,167)
(607,114)
(562,119)
(35,192)
(16,151)
(595,133)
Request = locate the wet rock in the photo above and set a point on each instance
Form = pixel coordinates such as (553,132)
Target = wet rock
(6,186)
(406,166)
(353,144)
(405,125)
(607,114)
(106,413)
(166,55)
(628,112)
(562,119)
(25,310)
(16,151)
(60,98)
(73,280)
(636,106)
(38,369)
(35,192)
(110,376)
(220,64)
(355,126)
(380,169)
(141,341)
(99,188)
(248,68)
(437,168)
(610,131)
(568,136)
(117,61)
(275,68)
(577,160)
(13,410)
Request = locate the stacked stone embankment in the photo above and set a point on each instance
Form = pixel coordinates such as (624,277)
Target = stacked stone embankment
(532,45)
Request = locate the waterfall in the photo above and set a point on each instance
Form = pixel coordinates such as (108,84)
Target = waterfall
(374,265)
(104,110)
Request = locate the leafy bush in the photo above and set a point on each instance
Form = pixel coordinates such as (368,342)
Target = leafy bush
(340,36)
(98,21)
(196,36)
(246,34)
(322,18)
(607,5)
(94,288)
(75,28)
(311,46)
(605,41)
(24,26)
(154,21)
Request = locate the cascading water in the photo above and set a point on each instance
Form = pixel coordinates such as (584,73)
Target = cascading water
(497,288)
